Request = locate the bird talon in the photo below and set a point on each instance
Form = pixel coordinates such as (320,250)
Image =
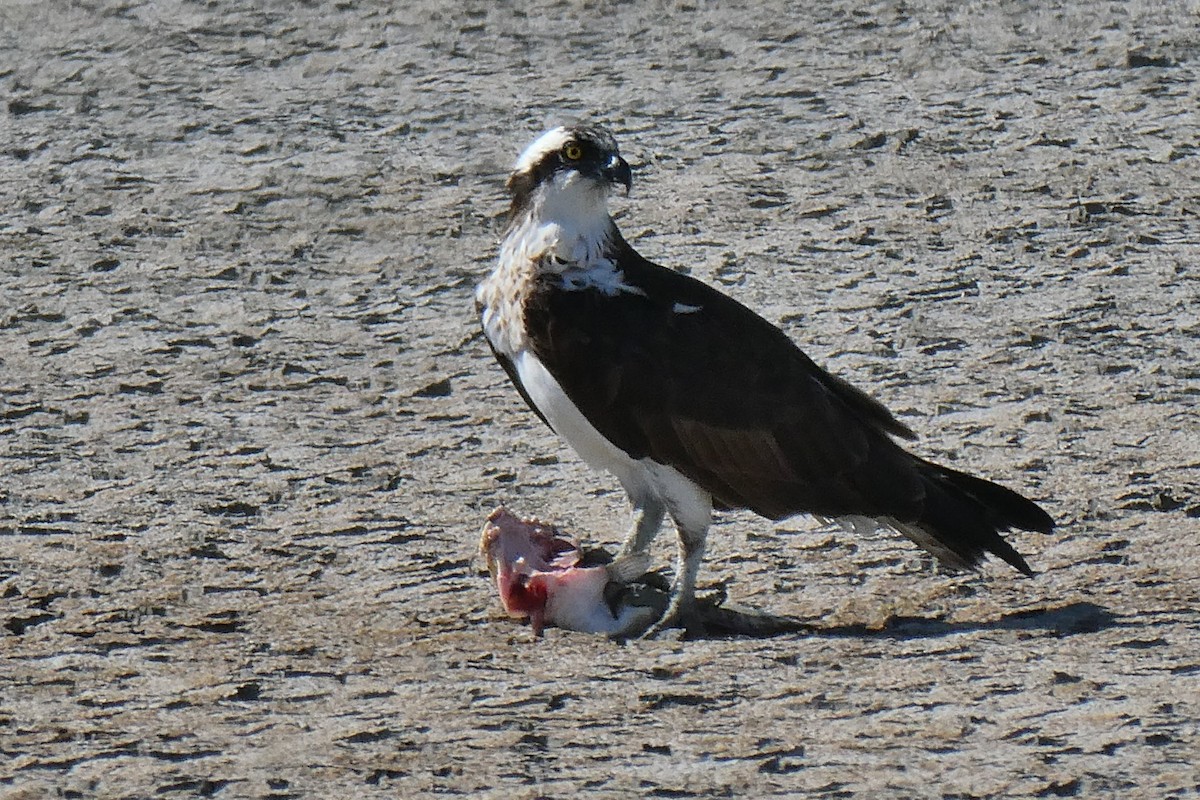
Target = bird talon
(657,629)
(688,623)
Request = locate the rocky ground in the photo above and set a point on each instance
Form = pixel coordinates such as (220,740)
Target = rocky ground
(249,430)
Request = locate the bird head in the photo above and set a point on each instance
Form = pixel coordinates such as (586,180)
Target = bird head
(570,166)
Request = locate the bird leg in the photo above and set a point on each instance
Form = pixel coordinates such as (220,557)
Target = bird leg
(647,519)
(681,609)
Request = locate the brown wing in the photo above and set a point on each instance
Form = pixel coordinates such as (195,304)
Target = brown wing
(678,372)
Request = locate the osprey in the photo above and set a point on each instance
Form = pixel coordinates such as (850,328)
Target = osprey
(692,400)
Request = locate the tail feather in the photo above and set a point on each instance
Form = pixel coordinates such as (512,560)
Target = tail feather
(964,516)
(1010,509)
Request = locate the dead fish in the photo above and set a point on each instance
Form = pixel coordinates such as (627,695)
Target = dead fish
(542,575)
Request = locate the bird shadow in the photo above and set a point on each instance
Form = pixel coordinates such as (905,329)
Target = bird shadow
(721,621)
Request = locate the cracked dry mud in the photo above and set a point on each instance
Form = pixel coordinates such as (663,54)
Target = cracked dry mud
(249,430)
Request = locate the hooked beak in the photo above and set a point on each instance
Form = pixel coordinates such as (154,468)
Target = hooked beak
(617,171)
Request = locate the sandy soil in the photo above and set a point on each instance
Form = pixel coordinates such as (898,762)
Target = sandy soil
(249,430)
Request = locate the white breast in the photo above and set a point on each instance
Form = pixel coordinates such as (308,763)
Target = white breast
(642,478)
(569,422)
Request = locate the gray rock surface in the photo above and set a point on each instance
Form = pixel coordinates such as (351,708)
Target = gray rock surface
(249,430)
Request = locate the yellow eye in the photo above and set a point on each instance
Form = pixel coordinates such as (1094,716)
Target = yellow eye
(572,151)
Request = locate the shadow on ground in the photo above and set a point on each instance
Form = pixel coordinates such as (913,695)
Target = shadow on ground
(724,622)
